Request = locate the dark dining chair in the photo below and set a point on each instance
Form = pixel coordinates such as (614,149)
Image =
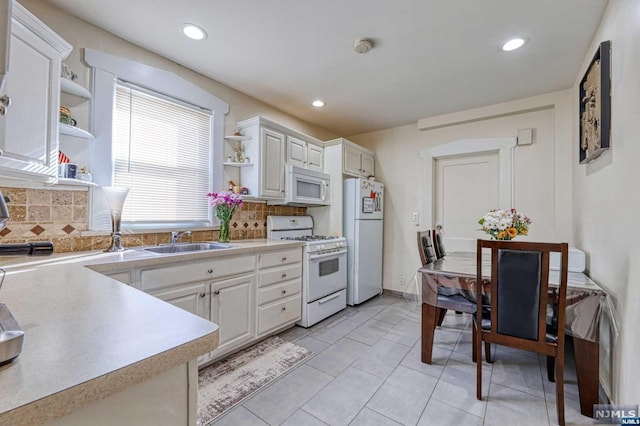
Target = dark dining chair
(519,299)
(438,243)
(441,300)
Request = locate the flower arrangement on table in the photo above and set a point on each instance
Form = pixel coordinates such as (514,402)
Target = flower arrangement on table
(505,224)
(225,203)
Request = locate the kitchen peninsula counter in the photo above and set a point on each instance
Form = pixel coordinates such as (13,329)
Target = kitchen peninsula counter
(89,337)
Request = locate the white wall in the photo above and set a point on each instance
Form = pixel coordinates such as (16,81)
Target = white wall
(606,200)
(542,184)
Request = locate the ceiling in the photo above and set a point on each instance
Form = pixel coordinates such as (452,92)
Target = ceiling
(431,57)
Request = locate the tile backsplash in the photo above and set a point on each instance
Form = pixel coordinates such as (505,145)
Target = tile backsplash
(61,216)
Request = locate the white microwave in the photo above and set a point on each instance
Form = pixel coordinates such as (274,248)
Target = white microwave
(306,187)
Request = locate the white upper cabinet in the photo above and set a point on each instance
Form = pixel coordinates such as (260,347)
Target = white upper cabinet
(304,154)
(272,163)
(276,145)
(31,99)
(315,157)
(357,161)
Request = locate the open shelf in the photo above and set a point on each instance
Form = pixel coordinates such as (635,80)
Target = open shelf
(238,138)
(75,182)
(72,94)
(68,130)
(240,165)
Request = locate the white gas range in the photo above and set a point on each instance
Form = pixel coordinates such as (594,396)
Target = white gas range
(324,267)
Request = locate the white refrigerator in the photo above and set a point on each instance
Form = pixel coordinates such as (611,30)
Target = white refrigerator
(363,201)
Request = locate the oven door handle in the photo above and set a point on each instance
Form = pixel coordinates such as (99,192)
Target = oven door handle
(328,299)
(322,256)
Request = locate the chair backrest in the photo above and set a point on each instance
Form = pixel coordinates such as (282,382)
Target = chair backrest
(520,288)
(438,244)
(425,248)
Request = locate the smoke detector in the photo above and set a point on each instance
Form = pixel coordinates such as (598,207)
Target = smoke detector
(363,45)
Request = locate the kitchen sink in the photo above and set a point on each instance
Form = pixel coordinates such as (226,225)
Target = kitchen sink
(186,247)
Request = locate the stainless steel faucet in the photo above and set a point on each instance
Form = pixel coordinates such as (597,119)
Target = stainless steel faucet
(176,235)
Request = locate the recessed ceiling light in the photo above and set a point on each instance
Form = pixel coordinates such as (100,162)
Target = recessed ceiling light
(513,44)
(194,32)
(318,103)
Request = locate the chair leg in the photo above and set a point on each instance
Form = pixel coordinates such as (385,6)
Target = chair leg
(473,340)
(429,313)
(560,389)
(551,368)
(441,313)
(487,352)
(478,346)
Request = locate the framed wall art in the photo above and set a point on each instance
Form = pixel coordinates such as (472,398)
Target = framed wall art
(595,106)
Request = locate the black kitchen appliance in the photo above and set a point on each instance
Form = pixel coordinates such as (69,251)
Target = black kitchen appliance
(11,335)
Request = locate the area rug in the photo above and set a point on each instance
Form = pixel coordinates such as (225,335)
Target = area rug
(229,381)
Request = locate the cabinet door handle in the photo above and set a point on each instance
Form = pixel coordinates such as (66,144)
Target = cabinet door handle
(5,103)
(284,291)
(210,270)
(284,308)
(284,258)
(203,294)
(283,276)
(216,292)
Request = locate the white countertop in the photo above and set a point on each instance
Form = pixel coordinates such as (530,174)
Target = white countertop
(88,336)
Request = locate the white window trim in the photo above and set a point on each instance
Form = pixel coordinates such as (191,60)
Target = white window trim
(106,69)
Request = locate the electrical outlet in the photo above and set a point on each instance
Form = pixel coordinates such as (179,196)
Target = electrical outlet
(415,217)
(402,280)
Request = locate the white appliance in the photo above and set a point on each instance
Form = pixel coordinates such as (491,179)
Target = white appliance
(306,187)
(324,267)
(362,226)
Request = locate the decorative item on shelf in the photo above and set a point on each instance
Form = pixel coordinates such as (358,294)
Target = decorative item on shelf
(239,153)
(225,204)
(68,170)
(115,195)
(62,158)
(67,72)
(505,224)
(84,175)
(65,116)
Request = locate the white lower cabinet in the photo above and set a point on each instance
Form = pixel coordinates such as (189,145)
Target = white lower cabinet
(279,287)
(233,309)
(275,315)
(193,298)
(248,296)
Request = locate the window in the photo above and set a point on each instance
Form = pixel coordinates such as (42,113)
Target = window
(161,136)
(162,152)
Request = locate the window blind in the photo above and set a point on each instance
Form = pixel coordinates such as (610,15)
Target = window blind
(162,152)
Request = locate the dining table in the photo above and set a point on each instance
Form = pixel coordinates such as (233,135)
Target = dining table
(456,272)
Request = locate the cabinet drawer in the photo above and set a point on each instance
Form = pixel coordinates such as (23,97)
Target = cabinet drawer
(273,316)
(283,257)
(201,270)
(279,291)
(272,276)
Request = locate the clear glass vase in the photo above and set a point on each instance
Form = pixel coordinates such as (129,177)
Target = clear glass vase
(224,231)
(115,195)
